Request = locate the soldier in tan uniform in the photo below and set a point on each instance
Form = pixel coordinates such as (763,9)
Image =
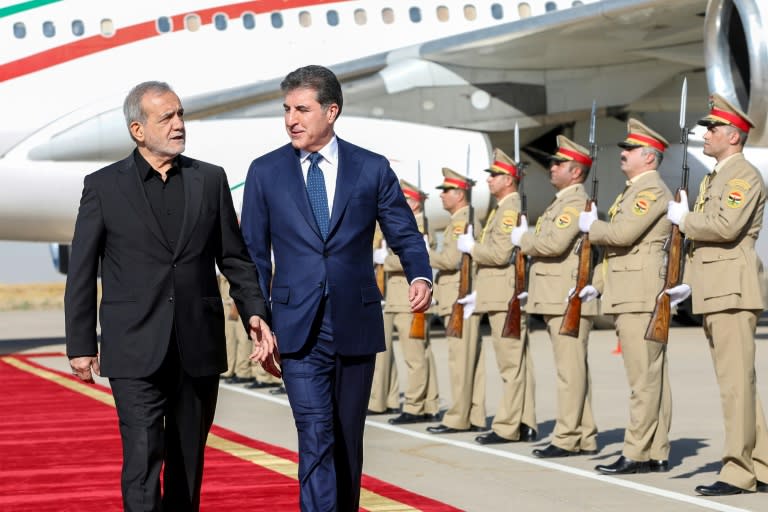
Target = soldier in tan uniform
(515,418)
(385,389)
(465,363)
(421,394)
(553,273)
(726,276)
(630,277)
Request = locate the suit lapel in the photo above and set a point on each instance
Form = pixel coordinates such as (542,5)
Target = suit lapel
(290,170)
(193,196)
(130,184)
(346,181)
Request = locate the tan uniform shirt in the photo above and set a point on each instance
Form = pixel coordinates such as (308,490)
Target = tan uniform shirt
(495,277)
(724,271)
(555,264)
(633,268)
(446,262)
(397,284)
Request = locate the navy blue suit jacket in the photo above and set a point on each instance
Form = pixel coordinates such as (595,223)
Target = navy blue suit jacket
(277,215)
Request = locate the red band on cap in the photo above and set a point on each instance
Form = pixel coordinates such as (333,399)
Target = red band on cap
(736,120)
(646,141)
(575,155)
(412,194)
(456,183)
(505,167)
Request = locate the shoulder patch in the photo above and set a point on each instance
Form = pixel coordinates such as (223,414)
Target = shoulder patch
(734,198)
(563,220)
(739,183)
(571,210)
(508,220)
(458,228)
(640,206)
(647,194)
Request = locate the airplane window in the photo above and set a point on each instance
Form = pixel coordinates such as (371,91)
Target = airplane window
(388,15)
(577,3)
(361,18)
(524,9)
(470,13)
(550,6)
(49,29)
(220,21)
(192,22)
(107,27)
(277,20)
(497,11)
(163,24)
(249,20)
(332,17)
(305,19)
(415,14)
(443,13)
(19,30)
(78,28)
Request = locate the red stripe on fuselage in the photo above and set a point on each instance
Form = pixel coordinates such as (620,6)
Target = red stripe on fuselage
(140,32)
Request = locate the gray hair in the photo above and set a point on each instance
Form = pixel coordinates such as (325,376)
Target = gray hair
(321,79)
(132,109)
(657,155)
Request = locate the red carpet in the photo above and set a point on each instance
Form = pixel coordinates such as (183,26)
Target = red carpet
(60,451)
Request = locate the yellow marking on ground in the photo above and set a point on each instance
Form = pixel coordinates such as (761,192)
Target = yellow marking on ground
(368,500)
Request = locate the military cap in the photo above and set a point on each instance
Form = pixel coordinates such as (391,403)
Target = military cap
(639,135)
(412,191)
(567,151)
(723,112)
(502,164)
(452,179)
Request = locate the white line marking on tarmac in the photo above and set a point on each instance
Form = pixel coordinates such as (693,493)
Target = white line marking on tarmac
(611,480)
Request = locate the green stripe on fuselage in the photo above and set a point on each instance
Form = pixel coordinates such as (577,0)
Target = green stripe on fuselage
(24,6)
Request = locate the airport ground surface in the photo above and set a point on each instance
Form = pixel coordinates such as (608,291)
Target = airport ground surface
(456,470)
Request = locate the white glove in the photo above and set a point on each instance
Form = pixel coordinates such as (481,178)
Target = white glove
(586,294)
(523,297)
(426,242)
(678,294)
(587,218)
(466,241)
(380,254)
(469,302)
(676,212)
(518,231)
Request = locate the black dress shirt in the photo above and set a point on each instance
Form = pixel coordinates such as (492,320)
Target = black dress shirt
(166,198)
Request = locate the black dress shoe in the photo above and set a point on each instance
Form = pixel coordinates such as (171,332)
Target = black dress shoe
(492,438)
(624,466)
(278,391)
(406,418)
(552,451)
(719,489)
(388,410)
(527,434)
(762,486)
(658,466)
(239,380)
(444,429)
(261,385)
(587,452)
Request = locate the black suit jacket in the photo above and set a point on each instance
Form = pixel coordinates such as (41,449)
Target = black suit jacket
(147,287)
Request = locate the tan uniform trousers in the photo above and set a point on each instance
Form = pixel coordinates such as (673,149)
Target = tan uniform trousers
(515,365)
(650,400)
(385,390)
(466,367)
(575,427)
(731,336)
(238,349)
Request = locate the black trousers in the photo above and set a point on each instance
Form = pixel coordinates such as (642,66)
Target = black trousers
(164,419)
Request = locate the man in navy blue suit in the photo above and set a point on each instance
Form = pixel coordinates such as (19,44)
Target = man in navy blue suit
(314,203)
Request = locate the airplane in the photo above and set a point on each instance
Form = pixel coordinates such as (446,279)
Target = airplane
(428,83)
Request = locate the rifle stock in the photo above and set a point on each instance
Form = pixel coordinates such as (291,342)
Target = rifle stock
(513,320)
(418,329)
(455,325)
(572,315)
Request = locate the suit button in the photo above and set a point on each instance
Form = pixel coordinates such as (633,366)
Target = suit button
(325,254)
(170,299)
(174,265)
(319,285)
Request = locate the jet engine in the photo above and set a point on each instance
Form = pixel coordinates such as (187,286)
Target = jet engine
(736,51)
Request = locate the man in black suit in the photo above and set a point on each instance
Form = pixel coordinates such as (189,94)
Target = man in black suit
(158,223)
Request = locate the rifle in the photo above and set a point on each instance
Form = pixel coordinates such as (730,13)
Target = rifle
(418,329)
(512,327)
(658,327)
(572,315)
(455,326)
